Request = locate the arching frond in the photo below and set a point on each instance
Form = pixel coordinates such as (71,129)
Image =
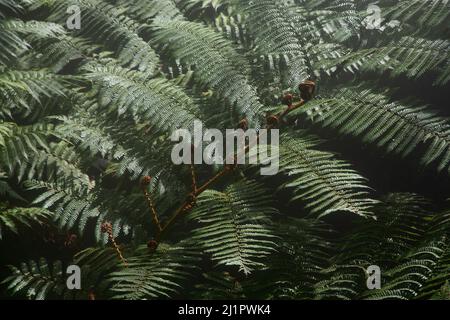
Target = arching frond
(38,280)
(422,14)
(106,24)
(70,207)
(326,184)
(233,225)
(14,218)
(156,102)
(398,127)
(217,64)
(278,46)
(154,275)
(20,89)
(16,35)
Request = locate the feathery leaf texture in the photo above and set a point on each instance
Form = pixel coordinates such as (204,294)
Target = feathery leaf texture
(233,225)
(217,64)
(86,114)
(396,126)
(326,184)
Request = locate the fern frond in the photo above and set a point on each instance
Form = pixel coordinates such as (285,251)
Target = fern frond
(15,36)
(157,102)
(70,207)
(326,184)
(409,56)
(397,127)
(217,65)
(105,23)
(233,225)
(280,47)
(385,242)
(13,218)
(405,280)
(146,11)
(401,223)
(18,144)
(423,14)
(20,89)
(157,275)
(37,280)
(10,5)
(7,192)
(303,252)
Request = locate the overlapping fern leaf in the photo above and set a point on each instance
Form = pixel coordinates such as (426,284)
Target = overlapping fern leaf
(85,114)
(39,280)
(222,69)
(398,127)
(159,275)
(234,225)
(324,183)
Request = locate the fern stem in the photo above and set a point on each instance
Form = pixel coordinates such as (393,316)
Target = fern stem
(189,204)
(119,253)
(107,228)
(194,180)
(152,210)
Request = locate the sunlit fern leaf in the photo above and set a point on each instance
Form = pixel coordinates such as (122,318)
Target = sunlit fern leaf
(93,137)
(415,56)
(107,24)
(86,136)
(158,102)
(397,127)
(233,26)
(58,163)
(422,14)
(339,20)
(157,275)
(19,144)
(70,207)
(59,52)
(324,183)
(409,56)
(19,89)
(15,35)
(224,59)
(279,48)
(145,11)
(217,64)
(233,225)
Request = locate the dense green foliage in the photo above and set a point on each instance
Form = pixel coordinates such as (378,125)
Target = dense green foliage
(86,114)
